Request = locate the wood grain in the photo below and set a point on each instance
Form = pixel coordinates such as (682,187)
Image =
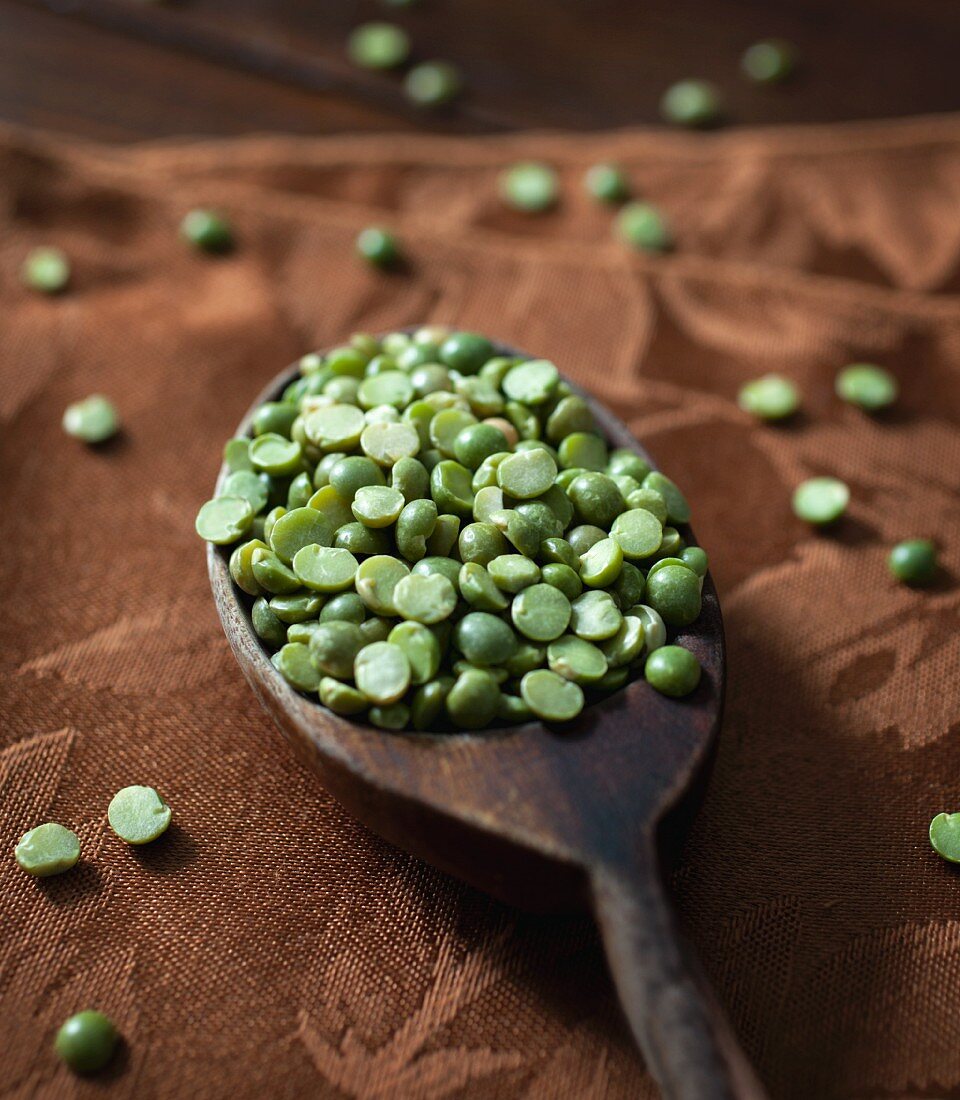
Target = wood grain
(544,817)
(120,69)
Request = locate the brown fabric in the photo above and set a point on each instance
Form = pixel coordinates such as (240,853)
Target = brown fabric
(269,946)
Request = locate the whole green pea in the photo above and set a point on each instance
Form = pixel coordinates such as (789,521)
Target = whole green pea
(46,270)
(86,1041)
(674,593)
(914,561)
(207,231)
(867,385)
(607,183)
(465,352)
(820,500)
(433,83)
(473,700)
(642,226)
(596,499)
(672,670)
(378,46)
(94,419)
(771,397)
(769,61)
(693,103)
(529,186)
(378,247)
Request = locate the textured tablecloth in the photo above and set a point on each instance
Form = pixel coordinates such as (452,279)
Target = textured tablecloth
(268,946)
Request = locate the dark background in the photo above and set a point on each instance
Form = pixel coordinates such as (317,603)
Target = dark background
(125,69)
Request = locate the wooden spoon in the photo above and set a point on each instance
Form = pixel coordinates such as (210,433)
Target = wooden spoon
(544,818)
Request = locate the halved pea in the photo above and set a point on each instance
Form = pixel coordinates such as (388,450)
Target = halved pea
(247,484)
(551,697)
(487,501)
(576,659)
(394,717)
(352,473)
(415,524)
(570,414)
(595,616)
(296,607)
(472,701)
(532,382)
(424,599)
(342,698)
(335,427)
(541,612)
(560,550)
(411,477)
(267,625)
(273,454)
(524,535)
(526,474)
(638,532)
(428,702)
(626,645)
(444,536)
(583,450)
(479,589)
(387,443)
(241,567)
(481,543)
(299,528)
(678,510)
(347,607)
(674,593)
(359,539)
(563,577)
(382,672)
(446,567)
(224,520)
(377,505)
(271,573)
(513,572)
(332,506)
(325,568)
(333,647)
(484,639)
(600,566)
(390,387)
(295,665)
(236,454)
(421,648)
(376,579)
(451,489)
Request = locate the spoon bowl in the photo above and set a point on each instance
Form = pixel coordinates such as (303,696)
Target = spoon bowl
(545,817)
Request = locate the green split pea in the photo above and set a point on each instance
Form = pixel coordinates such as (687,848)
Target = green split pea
(378,46)
(138,815)
(49,849)
(821,500)
(435,535)
(433,83)
(46,270)
(93,420)
(207,231)
(530,187)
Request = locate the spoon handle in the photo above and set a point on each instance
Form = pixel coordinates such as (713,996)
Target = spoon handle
(687,1043)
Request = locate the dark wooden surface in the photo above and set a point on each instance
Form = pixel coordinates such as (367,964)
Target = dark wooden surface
(126,69)
(545,817)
